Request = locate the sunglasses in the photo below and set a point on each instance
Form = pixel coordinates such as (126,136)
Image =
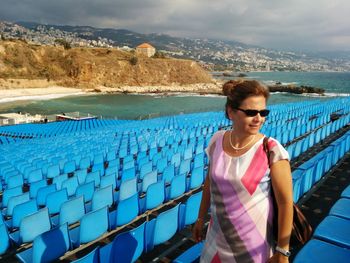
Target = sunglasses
(253,113)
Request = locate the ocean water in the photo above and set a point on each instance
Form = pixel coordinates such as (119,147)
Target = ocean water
(122,106)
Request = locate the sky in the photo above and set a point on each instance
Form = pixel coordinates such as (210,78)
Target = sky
(298,25)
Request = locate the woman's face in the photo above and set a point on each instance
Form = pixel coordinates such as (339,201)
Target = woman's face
(244,124)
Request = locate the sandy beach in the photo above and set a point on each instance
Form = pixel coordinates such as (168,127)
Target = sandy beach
(8,95)
(41,90)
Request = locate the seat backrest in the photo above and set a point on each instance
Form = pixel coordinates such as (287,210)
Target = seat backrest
(155,195)
(126,247)
(43,192)
(149,178)
(22,210)
(16,200)
(190,213)
(86,190)
(33,225)
(35,176)
(93,177)
(34,187)
(72,210)
(165,227)
(109,179)
(127,210)
(10,192)
(127,189)
(49,246)
(55,200)
(4,239)
(71,185)
(90,229)
(102,197)
(53,171)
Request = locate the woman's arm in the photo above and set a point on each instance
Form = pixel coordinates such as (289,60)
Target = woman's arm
(197,231)
(281,179)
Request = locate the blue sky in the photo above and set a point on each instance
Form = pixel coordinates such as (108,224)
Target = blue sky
(301,25)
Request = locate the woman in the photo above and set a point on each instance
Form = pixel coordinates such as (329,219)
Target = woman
(238,185)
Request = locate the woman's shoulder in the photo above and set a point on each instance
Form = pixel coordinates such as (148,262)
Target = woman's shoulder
(216,136)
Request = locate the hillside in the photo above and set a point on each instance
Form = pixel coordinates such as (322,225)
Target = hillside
(93,67)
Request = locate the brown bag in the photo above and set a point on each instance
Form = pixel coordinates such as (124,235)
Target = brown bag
(302,230)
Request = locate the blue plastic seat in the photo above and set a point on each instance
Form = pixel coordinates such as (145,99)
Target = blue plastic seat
(102,197)
(35,176)
(20,211)
(128,174)
(84,163)
(48,246)
(161,228)
(43,192)
(92,226)
(148,179)
(69,167)
(71,184)
(190,255)
(14,181)
(53,171)
(188,212)
(127,188)
(196,178)
(341,208)
(126,211)
(155,196)
(34,187)
(93,177)
(71,211)
(31,226)
(185,167)
(4,239)
(168,174)
(55,200)
(58,180)
(81,175)
(176,188)
(14,201)
(334,230)
(126,247)
(346,192)
(98,167)
(321,252)
(145,169)
(86,190)
(8,193)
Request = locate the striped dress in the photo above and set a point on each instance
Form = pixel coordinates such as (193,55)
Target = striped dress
(241,207)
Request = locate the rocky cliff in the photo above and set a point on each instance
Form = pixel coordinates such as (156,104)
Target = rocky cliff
(93,67)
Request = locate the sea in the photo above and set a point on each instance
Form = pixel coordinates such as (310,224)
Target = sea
(143,106)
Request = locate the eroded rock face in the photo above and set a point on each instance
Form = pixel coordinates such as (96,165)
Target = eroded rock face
(91,67)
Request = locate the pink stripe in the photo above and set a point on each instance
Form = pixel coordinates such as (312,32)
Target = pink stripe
(216,258)
(256,169)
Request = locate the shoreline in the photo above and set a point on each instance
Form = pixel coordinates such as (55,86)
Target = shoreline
(14,94)
(53,92)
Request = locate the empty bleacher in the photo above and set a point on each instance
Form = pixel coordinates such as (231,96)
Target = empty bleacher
(107,189)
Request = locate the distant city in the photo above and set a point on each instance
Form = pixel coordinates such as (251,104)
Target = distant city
(212,54)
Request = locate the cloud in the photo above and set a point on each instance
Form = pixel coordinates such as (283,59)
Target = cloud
(286,25)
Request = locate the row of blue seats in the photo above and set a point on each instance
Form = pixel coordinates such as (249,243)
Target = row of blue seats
(311,171)
(54,243)
(331,239)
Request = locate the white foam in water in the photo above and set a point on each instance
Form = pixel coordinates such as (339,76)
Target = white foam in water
(337,94)
(40,97)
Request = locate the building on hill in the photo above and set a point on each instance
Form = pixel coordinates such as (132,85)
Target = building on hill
(146,49)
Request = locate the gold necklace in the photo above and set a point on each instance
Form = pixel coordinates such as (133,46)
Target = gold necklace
(240,148)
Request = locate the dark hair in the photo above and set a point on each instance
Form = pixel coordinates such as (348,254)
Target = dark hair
(237,91)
